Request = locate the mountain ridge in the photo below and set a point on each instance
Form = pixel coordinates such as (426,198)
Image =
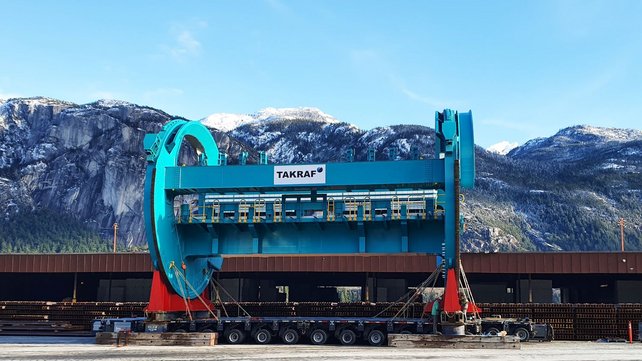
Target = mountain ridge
(564,192)
(230,121)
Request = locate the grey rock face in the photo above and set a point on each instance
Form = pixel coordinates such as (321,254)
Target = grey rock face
(84,160)
(560,193)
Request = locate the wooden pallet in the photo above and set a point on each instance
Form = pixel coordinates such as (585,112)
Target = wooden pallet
(156,339)
(454,342)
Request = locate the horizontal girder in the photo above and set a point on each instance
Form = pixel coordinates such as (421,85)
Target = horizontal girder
(417,174)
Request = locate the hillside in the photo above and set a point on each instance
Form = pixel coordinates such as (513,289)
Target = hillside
(83,166)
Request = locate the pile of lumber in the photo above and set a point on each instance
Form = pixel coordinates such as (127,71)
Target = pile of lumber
(40,328)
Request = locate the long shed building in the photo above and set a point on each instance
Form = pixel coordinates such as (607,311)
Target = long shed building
(567,277)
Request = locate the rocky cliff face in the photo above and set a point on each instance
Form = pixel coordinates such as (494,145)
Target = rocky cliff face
(86,162)
(565,192)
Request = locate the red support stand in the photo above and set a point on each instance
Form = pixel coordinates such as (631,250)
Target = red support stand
(451,293)
(162,300)
(451,296)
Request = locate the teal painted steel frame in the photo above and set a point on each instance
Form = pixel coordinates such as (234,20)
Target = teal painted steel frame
(193,246)
(413,174)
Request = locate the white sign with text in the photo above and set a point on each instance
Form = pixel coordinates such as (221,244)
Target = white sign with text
(299,174)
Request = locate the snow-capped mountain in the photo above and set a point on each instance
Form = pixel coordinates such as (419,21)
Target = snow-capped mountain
(226,121)
(69,171)
(503,147)
(575,143)
(229,121)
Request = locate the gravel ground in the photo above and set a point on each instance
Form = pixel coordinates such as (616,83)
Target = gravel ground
(83,348)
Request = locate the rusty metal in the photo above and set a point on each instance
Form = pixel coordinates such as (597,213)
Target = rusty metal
(59,317)
(75,262)
(554,263)
(570,321)
(474,263)
(331,263)
(581,321)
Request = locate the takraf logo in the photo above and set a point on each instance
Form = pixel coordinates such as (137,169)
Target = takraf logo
(299,174)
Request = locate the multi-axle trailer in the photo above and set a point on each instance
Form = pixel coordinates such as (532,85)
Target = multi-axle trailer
(321,330)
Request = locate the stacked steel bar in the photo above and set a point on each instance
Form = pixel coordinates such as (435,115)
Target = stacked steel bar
(40,327)
(322,309)
(507,310)
(570,321)
(595,321)
(264,309)
(559,315)
(629,312)
(575,321)
(75,314)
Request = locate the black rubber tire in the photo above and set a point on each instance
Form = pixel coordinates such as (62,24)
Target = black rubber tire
(347,337)
(234,336)
(493,331)
(262,336)
(523,334)
(180,330)
(206,330)
(405,332)
(290,336)
(318,337)
(376,338)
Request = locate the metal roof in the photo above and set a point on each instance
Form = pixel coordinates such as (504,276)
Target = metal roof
(499,263)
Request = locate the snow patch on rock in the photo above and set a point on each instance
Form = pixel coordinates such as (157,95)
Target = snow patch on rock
(230,121)
(502,147)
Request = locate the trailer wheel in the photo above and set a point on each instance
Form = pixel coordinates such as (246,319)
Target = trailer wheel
(234,336)
(318,337)
(376,338)
(290,336)
(492,331)
(347,337)
(523,334)
(262,336)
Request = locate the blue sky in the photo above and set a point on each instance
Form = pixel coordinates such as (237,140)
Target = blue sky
(525,68)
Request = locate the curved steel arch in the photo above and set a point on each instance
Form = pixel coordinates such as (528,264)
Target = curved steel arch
(467,149)
(169,247)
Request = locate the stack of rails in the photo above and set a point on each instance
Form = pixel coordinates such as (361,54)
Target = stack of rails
(629,312)
(321,309)
(506,310)
(256,309)
(570,321)
(582,321)
(61,317)
(561,316)
(40,328)
(595,321)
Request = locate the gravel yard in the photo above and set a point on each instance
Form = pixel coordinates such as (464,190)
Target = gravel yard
(83,348)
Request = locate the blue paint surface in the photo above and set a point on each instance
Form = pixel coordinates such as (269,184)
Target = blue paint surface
(362,207)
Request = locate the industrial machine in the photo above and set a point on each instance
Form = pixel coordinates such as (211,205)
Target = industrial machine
(523,328)
(197,213)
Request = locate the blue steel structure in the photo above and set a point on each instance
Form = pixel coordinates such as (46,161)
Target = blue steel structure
(195,214)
